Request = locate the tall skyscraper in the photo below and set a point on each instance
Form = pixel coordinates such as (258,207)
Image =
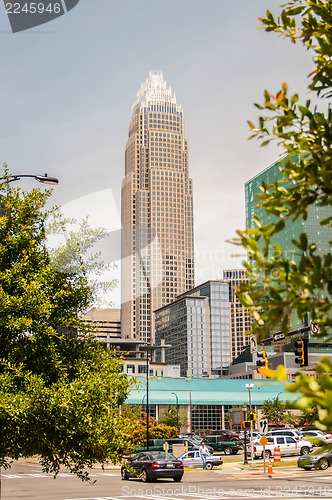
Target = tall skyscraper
(157,210)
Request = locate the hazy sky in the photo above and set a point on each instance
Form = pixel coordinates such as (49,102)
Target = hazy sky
(67,88)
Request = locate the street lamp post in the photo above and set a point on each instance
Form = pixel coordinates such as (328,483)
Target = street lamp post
(149,349)
(277,406)
(249,387)
(245,458)
(177,411)
(45,179)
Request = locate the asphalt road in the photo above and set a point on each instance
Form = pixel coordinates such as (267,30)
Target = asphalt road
(26,481)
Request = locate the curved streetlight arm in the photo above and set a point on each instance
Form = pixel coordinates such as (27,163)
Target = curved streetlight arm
(45,179)
(177,399)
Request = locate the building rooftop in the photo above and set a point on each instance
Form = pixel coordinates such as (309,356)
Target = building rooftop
(218,391)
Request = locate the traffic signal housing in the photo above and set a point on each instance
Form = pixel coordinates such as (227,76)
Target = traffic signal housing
(301,352)
(247,424)
(262,359)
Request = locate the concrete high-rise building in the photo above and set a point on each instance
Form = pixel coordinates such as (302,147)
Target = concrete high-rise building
(157,210)
(240,322)
(197,327)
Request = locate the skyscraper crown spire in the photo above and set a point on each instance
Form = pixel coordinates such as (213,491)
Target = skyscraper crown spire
(155,91)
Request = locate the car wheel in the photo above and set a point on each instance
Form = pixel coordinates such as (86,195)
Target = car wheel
(124,475)
(323,464)
(209,465)
(267,454)
(145,476)
(228,450)
(177,479)
(305,450)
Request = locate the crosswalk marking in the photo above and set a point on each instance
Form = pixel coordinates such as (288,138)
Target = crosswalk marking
(61,474)
(95,498)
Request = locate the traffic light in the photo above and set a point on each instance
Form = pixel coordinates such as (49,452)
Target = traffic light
(247,424)
(253,416)
(263,361)
(301,352)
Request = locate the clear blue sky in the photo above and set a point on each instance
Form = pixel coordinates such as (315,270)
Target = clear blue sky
(67,88)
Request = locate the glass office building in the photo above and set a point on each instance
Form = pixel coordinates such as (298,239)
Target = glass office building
(197,327)
(317,234)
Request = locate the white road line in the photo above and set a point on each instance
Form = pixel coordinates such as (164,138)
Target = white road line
(104,474)
(34,475)
(95,498)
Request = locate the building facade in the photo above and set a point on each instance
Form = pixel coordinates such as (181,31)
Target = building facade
(197,327)
(157,210)
(105,323)
(240,322)
(317,234)
(207,402)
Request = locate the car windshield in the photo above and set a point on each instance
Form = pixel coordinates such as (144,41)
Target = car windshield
(162,455)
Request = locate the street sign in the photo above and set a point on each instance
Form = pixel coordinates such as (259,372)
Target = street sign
(263,426)
(263,440)
(278,336)
(314,328)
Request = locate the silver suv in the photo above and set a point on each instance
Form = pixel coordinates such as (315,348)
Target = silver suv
(297,435)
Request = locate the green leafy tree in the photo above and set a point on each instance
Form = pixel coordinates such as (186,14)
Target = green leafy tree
(279,287)
(74,247)
(274,411)
(308,416)
(59,395)
(134,421)
(169,417)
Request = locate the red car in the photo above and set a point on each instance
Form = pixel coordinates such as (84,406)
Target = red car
(227,435)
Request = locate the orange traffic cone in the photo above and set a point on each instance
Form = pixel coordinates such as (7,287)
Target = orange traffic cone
(270,470)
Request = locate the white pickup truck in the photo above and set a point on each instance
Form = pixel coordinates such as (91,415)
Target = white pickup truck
(288,446)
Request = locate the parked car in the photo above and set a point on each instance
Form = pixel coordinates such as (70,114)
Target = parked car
(256,435)
(287,444)
(149,466)
(193,459)
(192,444)
(318,437)
(228,447)
(321,461)
(227,435)
(296,434)
(159,444)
